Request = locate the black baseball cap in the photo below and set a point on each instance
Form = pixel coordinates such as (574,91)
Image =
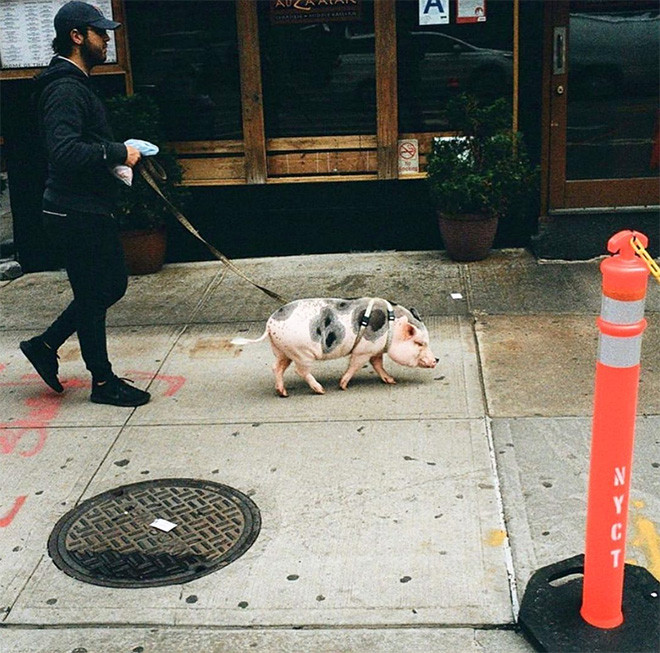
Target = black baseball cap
(76,14)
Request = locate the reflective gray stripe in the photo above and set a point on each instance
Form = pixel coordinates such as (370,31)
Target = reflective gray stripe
(619,352)
(618,312)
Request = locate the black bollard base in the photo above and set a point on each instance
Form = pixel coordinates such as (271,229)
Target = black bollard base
(550,611)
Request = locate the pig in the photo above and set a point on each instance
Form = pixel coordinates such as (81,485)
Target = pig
(306,330)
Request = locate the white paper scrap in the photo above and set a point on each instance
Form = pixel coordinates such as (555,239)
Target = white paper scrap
(456,295)
(163,525)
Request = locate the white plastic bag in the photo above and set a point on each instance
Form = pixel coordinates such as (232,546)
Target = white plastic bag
(125,173)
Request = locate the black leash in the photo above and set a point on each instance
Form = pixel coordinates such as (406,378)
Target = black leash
(149,169)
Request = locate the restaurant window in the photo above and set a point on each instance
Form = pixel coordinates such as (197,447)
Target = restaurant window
(310,83)
(318,72)
(437,62)
(184,55)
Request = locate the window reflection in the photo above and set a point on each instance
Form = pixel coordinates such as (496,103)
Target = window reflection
(613,92)
(184,55)
(317,78)
(320,79)
(436,62)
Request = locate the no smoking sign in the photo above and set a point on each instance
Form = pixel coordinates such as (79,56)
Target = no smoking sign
(408,156)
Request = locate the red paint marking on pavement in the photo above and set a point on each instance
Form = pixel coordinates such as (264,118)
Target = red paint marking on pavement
(9,384)
(175,383)
(7,519)
(9,442)
(44,407)
(44,410)
(28,379)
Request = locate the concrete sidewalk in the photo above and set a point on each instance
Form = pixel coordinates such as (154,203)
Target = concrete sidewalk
(394,518)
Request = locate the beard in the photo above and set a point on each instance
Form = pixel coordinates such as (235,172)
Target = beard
(92,56)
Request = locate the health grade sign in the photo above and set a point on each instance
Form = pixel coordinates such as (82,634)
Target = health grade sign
(436,12)
(433,12)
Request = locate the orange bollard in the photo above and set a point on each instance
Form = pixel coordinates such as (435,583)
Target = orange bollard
(621,325)
(595,601)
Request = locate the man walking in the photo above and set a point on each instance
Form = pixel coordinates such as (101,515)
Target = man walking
(78,202)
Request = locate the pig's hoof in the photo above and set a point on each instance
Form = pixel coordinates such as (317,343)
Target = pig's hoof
(319,391)
(389,380)
(282,393)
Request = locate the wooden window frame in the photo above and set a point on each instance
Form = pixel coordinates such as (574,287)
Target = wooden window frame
(257,159)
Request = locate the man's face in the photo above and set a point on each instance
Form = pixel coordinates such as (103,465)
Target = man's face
(94,48)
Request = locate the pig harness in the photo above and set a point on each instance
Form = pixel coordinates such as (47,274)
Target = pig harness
(364,323)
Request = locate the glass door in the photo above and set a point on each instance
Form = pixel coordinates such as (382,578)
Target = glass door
(603,74)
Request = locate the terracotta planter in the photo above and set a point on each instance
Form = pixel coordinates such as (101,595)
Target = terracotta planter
(144,250)
(467,237)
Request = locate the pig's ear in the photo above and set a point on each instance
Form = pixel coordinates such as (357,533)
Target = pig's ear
(408,330)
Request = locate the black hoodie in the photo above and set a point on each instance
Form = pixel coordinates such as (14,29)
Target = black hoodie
(78,139)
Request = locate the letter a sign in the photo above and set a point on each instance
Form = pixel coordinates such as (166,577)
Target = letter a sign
(433,12)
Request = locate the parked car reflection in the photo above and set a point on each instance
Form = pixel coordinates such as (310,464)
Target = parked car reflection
(612,101)
(612,54)
(433,65)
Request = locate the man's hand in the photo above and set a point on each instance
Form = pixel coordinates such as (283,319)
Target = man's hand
(133,155)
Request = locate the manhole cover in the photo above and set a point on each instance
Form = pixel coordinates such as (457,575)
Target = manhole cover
(108,539)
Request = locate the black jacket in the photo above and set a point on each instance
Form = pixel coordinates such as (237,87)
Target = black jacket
(78,139)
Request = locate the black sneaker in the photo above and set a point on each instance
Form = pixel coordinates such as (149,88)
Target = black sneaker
(44,360)
(116,392)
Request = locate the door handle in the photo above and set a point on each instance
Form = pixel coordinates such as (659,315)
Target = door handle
(559,51)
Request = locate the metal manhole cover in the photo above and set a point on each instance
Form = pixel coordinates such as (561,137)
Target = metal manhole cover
(108,540)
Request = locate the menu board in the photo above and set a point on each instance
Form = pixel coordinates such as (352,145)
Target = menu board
(27,32)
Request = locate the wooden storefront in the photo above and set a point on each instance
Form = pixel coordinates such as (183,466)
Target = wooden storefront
(325,98)
(372,152)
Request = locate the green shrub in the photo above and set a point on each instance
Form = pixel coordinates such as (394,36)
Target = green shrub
(484,169)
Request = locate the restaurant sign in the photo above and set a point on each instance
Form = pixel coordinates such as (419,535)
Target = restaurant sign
(287,12)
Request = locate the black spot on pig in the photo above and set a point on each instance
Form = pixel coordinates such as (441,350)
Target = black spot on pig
(284,312)
(377,323)
(327,330)
(415,314)
(378,319)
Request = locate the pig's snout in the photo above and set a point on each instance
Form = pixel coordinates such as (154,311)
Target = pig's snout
(429,363)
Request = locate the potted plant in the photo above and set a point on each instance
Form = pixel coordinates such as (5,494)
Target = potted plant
(478,177)
(142,215)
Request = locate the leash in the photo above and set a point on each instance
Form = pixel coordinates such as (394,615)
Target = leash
(149,169)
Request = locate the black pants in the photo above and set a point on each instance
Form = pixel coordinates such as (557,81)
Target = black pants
(97,273)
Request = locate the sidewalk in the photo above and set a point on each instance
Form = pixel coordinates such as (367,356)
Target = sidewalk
(393,518)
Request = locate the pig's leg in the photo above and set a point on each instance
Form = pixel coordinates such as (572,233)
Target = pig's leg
(279,367)
(377,362)
(354,364)
(304,371)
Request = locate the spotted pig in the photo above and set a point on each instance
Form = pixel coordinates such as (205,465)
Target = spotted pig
(327,328)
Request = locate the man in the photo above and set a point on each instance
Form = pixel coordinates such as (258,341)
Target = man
(78,202)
